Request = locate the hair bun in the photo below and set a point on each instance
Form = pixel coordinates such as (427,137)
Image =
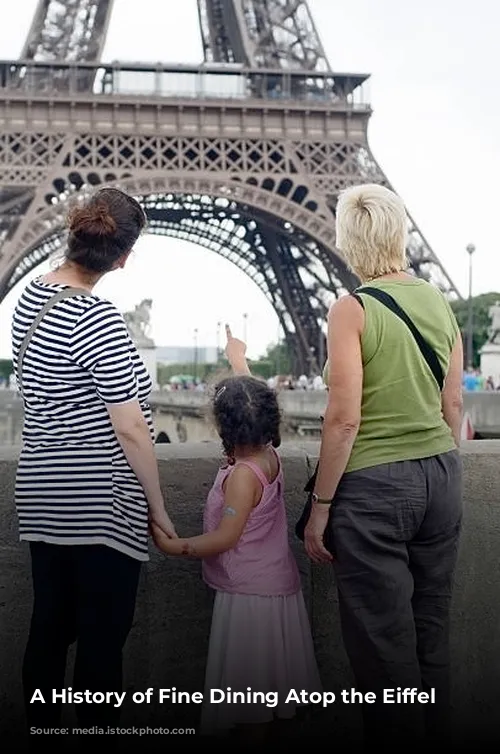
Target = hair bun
(93,220)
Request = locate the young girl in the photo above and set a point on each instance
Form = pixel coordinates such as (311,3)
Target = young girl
(260,637)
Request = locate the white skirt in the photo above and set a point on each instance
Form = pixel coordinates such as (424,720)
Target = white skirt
(257,644)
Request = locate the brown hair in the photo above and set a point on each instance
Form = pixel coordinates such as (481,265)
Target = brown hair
(104,229)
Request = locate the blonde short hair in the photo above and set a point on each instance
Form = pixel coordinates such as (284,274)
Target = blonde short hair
(372,228)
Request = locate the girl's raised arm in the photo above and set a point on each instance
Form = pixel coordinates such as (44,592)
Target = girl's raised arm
(235,354)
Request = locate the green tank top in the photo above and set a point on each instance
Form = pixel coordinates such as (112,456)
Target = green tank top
(401,415)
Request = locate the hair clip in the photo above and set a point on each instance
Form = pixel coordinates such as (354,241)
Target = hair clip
(219,392)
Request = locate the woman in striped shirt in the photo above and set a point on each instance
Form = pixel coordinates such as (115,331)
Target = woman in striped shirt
(87,479)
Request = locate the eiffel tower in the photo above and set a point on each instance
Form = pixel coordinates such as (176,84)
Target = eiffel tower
(244,154)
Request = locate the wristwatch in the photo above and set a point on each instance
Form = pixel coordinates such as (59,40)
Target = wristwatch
(320,500)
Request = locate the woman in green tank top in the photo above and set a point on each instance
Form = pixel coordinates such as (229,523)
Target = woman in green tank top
(389,483)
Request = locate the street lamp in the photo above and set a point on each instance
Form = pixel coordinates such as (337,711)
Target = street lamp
(219,325)
(245,318)
(321,348)
(195,353)
(470,324)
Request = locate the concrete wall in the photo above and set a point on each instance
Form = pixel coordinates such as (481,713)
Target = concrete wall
(484,412)
(301,411)
(168,643)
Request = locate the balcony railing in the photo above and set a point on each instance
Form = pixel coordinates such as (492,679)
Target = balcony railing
(179,81)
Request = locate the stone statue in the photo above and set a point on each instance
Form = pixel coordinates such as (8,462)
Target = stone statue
(139,324)
(494,329)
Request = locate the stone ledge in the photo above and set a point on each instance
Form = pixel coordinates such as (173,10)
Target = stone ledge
(306,448)
(168,643)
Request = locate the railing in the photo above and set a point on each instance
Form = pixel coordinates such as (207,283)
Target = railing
(176,81)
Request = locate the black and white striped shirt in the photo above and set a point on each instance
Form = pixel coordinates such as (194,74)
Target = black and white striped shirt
(74,484)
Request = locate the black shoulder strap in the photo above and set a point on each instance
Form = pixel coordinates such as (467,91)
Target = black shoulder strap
(426,350)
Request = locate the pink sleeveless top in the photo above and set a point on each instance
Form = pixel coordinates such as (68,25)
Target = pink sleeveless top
(262,562)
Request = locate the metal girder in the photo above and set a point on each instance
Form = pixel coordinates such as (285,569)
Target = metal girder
(261,34)
(267,204)
(69,30)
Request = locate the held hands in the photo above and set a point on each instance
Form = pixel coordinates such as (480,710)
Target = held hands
(161,521)
(161,540)
(314,532)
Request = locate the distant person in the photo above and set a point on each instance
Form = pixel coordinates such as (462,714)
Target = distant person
(87,480)
(318,383)
(260,635)
(389,464)
(470,381)
(302,382)
(490,384)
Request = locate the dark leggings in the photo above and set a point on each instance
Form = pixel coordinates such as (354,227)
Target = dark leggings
(82,593)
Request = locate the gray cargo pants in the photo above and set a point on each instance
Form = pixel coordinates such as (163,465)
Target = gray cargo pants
(396,530)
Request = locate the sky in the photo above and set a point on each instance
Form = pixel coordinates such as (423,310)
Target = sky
(434,131)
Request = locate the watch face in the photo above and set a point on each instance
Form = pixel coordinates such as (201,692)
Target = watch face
(320,500)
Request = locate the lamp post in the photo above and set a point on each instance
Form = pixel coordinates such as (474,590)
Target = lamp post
(321,349)
(195,353)
(278,351)
(219,325)
(470,322)
(245,319)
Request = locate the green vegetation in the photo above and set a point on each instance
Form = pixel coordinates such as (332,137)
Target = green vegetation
(276,361)
(203,371)
(481,321)
(6,368)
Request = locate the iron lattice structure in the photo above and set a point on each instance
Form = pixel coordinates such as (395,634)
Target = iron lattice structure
(244,154)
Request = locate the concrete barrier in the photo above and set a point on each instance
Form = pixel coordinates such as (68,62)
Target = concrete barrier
(168,642)
(301,411)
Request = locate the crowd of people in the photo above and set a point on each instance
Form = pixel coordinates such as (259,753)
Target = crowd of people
(473,380)
(281,382)
(384,507)
(277,382)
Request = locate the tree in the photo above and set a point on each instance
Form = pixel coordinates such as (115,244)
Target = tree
(277,360)
(165,371)
(6,369)
(480,320)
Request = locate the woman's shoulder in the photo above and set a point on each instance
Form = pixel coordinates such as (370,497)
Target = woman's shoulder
(99,310)
(100,327)
(414,293)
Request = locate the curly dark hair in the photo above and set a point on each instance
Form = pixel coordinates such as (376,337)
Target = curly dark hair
(246,412)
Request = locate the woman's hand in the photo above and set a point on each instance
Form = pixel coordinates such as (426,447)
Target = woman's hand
(162,541)
(161,520)
(235,353)
(314,533)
